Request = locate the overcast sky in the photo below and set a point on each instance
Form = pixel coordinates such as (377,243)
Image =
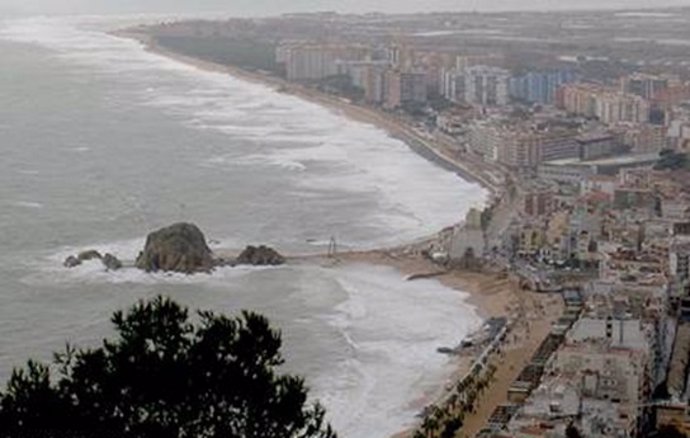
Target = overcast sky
(272,7)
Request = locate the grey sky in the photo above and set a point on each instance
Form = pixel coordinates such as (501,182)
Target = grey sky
(272,7)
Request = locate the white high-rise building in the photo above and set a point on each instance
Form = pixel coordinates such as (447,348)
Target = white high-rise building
(453,85)
(486,85)
(314,62)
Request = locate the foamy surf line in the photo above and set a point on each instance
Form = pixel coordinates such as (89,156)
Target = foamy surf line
(49,269)
(329,150)
(393,328)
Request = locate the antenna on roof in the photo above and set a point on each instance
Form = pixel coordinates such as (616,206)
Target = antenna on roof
(332,248)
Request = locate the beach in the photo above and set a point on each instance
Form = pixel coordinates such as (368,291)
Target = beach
(491,294)
(469,168)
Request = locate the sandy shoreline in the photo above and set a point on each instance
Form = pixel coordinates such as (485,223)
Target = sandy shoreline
(492,295)
(371,116)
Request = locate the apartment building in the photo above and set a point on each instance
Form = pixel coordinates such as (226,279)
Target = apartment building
(487,86)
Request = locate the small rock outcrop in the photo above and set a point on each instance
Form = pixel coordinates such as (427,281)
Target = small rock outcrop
(260,256)
(71,262)
(89,255)
(178,248)
(84,256)
(111,262)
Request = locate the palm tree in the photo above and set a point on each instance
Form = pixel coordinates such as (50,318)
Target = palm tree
(481,385)
(452,401)
(433,425)
(472,396)
(427,426)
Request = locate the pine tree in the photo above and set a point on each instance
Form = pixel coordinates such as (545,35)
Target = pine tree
(163,376)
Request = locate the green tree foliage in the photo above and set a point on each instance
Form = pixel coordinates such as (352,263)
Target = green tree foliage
(670,432)
(164,376)
(671,160)
(572,432)
(246,53)
(451,428)
(486,217)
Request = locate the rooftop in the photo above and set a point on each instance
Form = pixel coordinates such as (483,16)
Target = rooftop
(622,333)
(556,397)
(609,161)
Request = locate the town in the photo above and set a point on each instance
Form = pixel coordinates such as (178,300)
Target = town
(580,128)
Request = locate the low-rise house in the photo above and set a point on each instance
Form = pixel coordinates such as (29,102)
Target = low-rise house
(539,201)
(557,236)
(609,360)
(548,411)
(628,198)
(630,265)
(675,208)
(532,238)
(600,183)
(679,260)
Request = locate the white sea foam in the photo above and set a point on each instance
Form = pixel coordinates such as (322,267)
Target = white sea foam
(80,149)
(28,204)
(49,269)
(125,249)
(258,160)
(93,272)
(393,328)
(28,172)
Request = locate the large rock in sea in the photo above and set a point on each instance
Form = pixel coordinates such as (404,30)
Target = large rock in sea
(177,248)
(260,256)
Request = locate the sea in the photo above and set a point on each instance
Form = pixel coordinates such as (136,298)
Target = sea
(102,142)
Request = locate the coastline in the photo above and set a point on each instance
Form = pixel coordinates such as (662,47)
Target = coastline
(435,153)
(395,128)
(491,295)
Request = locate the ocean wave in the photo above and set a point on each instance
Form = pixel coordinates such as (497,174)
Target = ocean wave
(93,272)
(255,160)
(27,204)
(394,328)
